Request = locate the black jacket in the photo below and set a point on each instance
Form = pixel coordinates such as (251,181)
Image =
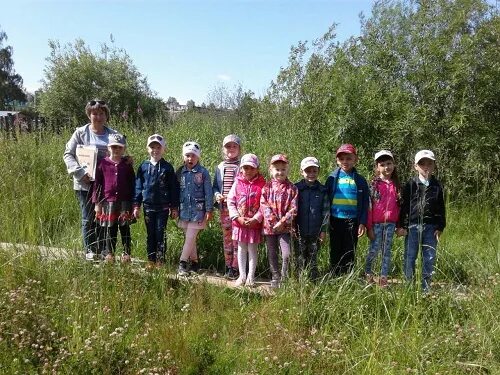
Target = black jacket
(423,204)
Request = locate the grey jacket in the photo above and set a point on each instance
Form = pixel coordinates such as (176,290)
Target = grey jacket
(81,136)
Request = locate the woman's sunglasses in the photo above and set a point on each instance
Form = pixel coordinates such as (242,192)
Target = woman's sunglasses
(94,102)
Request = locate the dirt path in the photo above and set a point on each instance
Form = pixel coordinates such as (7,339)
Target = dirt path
(261,286)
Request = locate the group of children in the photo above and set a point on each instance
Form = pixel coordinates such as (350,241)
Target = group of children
(278,211)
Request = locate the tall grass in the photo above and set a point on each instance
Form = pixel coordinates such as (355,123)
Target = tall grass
(67,316)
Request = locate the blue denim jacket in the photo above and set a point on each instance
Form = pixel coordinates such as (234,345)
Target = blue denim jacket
(196,195)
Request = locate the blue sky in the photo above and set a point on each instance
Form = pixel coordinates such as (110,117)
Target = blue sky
(184,48)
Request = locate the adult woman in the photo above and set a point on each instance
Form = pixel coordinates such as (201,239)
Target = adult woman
(96,134)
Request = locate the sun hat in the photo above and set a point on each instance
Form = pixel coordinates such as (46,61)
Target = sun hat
(346,149)
(424,154)
(279,157)
(231,138)
(191,148)
(117,139)
(381,153)
(250,159)
(158,139)
(310,161)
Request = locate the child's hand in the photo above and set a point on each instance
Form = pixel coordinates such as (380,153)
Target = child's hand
(361,230)
(174,213)
(371,234)
(136,212)
(279,226)
(219,198)
(437,234)
(208,216)
(401,232)
(242,221)
(322,237)
(98,209)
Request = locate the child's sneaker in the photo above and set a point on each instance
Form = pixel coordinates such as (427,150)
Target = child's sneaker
(126,258)
(194,267)
(150,265)
(110,258)
(239,282)
(382,282)
(233,274)
(250,283)
(90,256)
(369,278)
(182,271)
(275,283)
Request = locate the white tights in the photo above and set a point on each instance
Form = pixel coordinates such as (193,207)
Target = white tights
(189,251)
(251,249)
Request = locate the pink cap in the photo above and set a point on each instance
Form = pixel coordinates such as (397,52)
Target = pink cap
(346,149)
(250,159)
(279,157)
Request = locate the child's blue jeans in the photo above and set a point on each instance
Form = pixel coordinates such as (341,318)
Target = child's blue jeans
(420,236)
(384,233)
(156,221)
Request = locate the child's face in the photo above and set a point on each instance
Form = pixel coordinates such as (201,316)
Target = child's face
(310,174)
(190,160)
(425,167)
(116,151)
(231,150)
(249,172)
(279,171)
(346,162)
(155,150)
(97,117)
(385,169)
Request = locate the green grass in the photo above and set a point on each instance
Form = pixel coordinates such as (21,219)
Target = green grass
(67,316)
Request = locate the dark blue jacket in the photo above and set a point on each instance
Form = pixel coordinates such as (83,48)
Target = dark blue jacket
(156,186)
(363,196)
(313,209)
(423,204)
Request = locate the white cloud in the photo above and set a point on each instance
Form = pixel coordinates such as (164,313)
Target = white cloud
(223,77)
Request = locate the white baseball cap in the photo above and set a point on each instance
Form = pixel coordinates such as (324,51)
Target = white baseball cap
(424,154)
(158,139)
(383,153)
(250,159)
(191,148)
(231,138)
(310,161)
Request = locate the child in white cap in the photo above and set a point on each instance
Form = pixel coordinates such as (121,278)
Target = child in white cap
(157,189)
(243,201)
(196,204)
(225,175)
(112,194)
(422,218)
(383,214)
(311,222)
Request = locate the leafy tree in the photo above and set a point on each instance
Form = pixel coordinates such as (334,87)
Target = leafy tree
(172,102)
(422,74)
(10,82)
(75,74)
(190,104)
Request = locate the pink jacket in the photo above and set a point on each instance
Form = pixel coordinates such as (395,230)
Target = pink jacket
(278,203)
(384,207)
(244,198)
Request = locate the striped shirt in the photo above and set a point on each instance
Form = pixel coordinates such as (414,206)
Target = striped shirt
(230,169)
(345,201)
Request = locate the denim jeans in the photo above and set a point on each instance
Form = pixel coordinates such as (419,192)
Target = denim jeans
(384,233)
(90,231)
(420,236)
(306,253)
(156,221)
